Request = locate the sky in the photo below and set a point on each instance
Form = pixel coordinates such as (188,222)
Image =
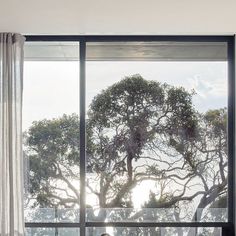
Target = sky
(52,88)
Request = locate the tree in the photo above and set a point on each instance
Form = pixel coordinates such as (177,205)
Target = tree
(137,131)
(52,147)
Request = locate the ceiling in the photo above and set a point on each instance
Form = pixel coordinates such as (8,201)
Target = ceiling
(159,17)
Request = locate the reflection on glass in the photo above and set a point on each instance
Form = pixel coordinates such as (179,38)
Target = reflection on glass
(52,232)
(149,231)
(51,137)
(52,215)
(157,141)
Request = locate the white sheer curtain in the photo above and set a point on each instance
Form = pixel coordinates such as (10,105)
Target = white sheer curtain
(11,169)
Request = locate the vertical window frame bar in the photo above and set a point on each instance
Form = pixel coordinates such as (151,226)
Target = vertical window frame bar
(231,130)
(82,98)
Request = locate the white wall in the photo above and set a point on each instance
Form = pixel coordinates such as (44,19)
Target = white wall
(118,16)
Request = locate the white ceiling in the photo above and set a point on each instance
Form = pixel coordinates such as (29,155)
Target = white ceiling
(118,16)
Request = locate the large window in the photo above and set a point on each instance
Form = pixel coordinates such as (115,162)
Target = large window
(129,136)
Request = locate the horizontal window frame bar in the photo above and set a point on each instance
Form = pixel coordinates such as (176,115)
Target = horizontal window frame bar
(129,38)
(128,224)
(160,224)
(52,225)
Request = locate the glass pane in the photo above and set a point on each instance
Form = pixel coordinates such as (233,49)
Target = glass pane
(156,133)
(145,231)
(52,232)
(51,134)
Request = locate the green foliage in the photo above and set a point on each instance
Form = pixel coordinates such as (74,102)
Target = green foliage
(221,202)
(155,202)
(217,120)
(51,145)
(56,139)
(128,115)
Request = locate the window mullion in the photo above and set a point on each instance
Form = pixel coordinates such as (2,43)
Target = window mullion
(82,138)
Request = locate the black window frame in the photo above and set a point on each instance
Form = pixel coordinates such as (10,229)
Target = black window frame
(227,227)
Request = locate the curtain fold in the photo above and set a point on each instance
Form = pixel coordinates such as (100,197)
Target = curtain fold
(11,158)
